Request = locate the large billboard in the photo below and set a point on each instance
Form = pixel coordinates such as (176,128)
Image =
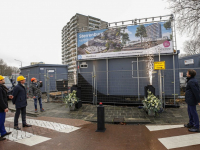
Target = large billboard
(127,41)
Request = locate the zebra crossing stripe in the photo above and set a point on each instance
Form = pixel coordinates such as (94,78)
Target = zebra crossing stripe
(162,127)
(25,138)
(180,141)
(176,141)
(47,124)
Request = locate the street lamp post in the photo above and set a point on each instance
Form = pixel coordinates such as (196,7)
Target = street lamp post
(19,61)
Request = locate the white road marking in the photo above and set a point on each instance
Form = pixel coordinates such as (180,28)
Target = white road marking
(47,124)
(162,127)
(25,138)
(36,139)
(180,141)
(17,134)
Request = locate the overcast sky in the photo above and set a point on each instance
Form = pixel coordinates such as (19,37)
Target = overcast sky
(30,30)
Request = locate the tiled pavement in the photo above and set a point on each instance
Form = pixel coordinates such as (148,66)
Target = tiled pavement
(58,128)
(116,137)
(131,114)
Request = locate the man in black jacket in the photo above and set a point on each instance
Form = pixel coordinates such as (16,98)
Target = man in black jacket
(192,98)
(20,102)
(3,107)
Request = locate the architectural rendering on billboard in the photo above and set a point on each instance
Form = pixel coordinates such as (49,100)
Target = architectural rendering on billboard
(125,41)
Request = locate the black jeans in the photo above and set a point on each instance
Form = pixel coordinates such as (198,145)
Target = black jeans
(23,114)
(193,116)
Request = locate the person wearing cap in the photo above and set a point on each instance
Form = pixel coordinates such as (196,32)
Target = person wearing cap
(3,107)
(20,102)
(36,93)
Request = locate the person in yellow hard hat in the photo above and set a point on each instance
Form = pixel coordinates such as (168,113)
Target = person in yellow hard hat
(3,107)
(20,102)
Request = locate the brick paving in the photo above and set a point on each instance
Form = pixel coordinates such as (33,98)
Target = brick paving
(116,137)
(131,114)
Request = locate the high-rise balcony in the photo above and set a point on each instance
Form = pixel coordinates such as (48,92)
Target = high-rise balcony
(72,66)
(67,57)
(73,28)
(72,41)
(93,18)
(72,37)
(72,58)
(72,63)
(73,18)
(73,24)
(93,28)
(67,52)
(72,54)
(72,32)
(63,38)
(63,41)
(95,21)
(68,40)
(72,49)
(93,24)
(72,45)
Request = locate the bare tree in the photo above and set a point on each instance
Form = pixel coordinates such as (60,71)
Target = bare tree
(6,70)
(192,47)
(187,14)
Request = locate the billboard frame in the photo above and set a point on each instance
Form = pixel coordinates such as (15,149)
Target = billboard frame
(141,21)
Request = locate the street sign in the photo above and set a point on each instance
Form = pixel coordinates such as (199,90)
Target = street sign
(159,65)
(189,61)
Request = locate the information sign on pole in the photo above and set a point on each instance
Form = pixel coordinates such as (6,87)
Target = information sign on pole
(159,65)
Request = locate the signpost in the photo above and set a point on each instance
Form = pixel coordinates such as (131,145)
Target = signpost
(160,65)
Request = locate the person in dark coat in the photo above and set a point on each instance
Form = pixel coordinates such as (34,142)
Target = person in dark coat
(3,107)
(192,98)
(20,102)
(36,93)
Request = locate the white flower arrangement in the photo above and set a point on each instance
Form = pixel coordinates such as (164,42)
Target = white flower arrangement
(152,102)
(71,99)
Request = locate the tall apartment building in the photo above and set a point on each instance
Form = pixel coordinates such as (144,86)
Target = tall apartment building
(78,23)
(154,31)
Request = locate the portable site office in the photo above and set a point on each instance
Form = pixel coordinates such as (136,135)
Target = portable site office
(189,62)
(116,63)
(42,71)
(122,80)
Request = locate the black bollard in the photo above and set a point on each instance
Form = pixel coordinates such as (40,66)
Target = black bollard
(100,118)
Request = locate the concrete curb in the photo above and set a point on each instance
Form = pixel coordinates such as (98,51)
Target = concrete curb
(126,120)
(27,113)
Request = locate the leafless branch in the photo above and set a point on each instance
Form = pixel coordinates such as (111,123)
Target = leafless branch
(187,13)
